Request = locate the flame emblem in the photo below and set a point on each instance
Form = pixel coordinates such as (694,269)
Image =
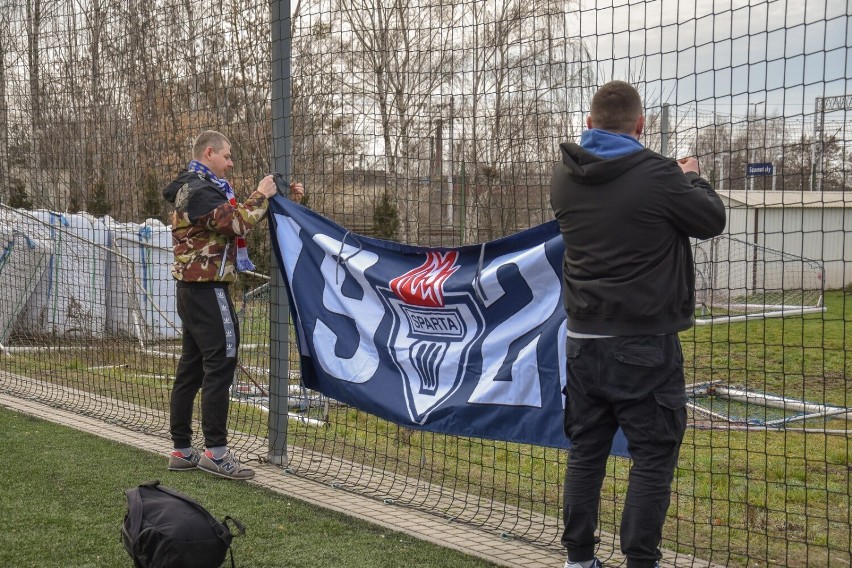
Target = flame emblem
(433,331)
(424,286)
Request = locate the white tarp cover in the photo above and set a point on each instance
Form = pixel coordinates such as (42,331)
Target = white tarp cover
(70,298)
(141,287)
(23,261)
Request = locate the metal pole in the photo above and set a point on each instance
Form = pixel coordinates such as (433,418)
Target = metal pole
(817,134)
(818,158)
(462,212)
(450,177)
(279,304)
(774,176)
(664,130)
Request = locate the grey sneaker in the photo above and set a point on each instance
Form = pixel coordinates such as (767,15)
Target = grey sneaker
(227,466)
(595,564)
(179,462)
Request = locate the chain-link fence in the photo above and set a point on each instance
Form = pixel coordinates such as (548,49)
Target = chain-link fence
(437,123)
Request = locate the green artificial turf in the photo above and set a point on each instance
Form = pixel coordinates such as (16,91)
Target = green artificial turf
(62,505)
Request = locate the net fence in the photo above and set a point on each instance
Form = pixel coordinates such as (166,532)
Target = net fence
(437,123)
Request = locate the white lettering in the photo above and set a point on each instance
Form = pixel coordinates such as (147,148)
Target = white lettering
(287,233)
(435,323)
(366,313)
(521,384)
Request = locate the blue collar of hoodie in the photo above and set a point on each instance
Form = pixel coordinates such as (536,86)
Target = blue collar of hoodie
(605,144)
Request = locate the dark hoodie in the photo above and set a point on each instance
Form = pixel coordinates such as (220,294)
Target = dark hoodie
(626,223)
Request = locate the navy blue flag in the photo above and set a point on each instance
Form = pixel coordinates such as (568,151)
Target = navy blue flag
(467,341)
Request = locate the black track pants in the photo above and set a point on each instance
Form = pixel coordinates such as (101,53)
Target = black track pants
(211,336)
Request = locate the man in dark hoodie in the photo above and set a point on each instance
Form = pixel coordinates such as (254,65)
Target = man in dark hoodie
(208,231)
(626,215)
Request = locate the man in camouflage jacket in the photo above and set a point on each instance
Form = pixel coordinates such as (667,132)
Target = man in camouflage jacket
(208,232)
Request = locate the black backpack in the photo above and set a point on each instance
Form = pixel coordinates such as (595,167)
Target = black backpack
(164,528)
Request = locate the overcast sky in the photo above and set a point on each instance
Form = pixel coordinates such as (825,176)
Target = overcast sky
(731,56)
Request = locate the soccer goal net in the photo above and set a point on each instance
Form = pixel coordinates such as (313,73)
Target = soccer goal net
(737,280)
(716,405)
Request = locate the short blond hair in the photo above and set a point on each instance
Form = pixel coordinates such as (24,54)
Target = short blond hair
(616,107)
(208,139)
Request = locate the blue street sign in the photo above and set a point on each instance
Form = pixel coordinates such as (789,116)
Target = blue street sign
(757,170)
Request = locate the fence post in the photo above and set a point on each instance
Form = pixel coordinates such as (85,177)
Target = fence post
(279,307)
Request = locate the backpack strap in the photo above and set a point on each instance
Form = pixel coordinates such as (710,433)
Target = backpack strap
(134,516)
(134,513)
(241,530)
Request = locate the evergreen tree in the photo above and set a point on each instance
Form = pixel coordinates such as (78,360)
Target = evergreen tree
(152,204)
(385,218)
(74,202)
(98,204)
(18,196)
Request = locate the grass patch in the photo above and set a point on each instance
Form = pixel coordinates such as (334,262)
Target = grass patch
(62,504)
(740,498)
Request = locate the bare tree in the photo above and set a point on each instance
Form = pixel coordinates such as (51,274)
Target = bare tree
(250,86)
(33,10)
(5,47)
(727,145)
(95,18)
(324,135)
(33,29)
(396,58)
(712,148)
(526,76)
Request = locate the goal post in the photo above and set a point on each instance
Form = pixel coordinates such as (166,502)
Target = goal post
(736,281)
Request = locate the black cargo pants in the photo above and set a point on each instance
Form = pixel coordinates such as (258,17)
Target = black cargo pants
(636,383)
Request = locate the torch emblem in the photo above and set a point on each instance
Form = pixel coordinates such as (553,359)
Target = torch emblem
(433,332)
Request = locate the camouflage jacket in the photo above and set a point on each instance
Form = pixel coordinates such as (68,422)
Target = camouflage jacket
(204,225)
